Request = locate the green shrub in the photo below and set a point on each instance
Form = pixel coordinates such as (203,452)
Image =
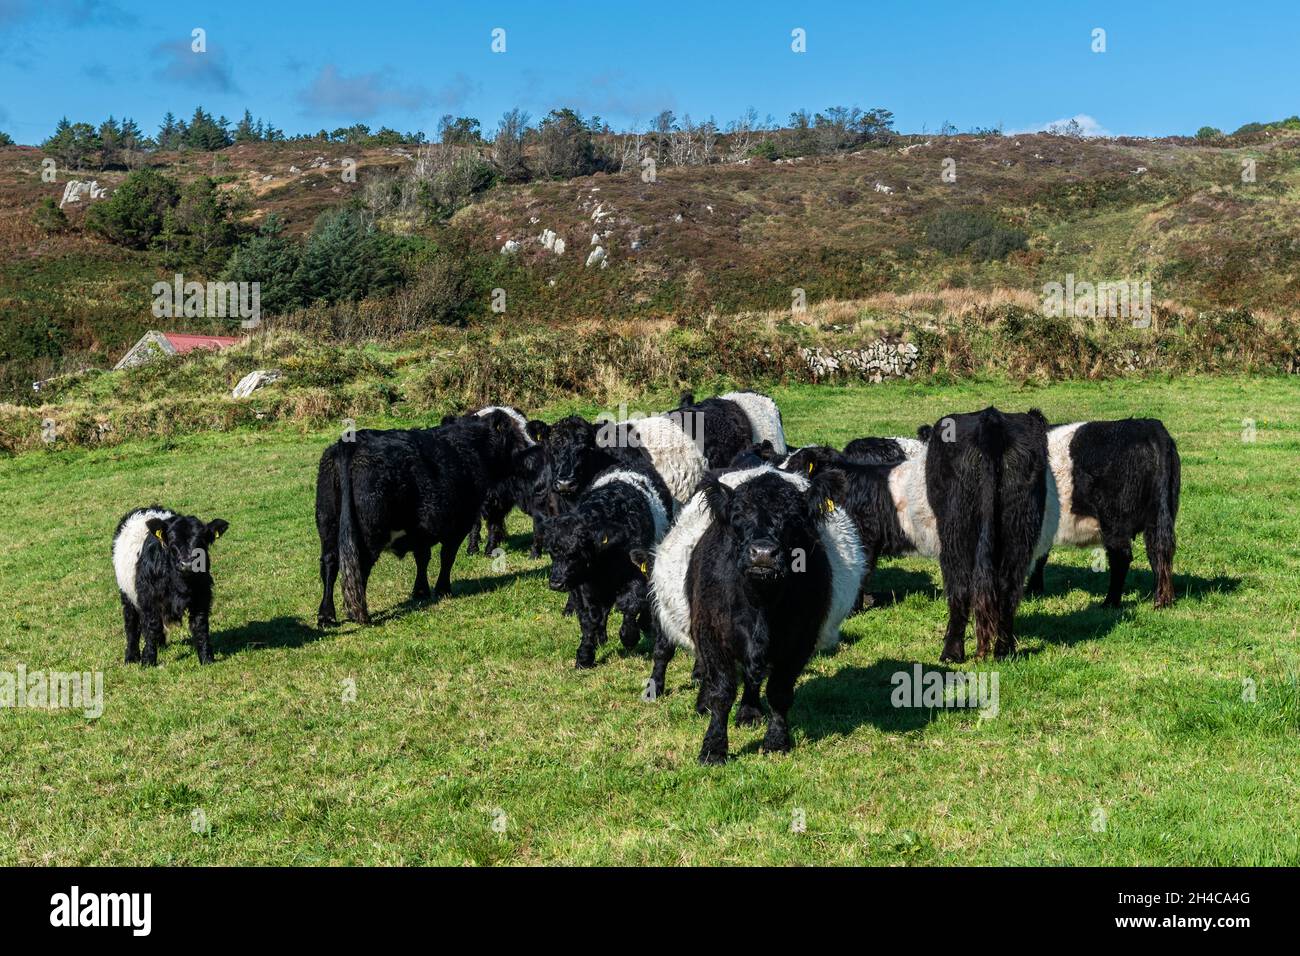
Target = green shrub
(49,216)
(134,214)
(975,233)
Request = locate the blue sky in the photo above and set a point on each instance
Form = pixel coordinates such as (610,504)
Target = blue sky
(1169,67)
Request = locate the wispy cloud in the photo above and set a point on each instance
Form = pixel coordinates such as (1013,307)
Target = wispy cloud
(98,13)
(1088,126)
(359,96)
(206,71)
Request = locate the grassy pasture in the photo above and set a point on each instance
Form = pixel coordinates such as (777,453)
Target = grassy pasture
(1121,737)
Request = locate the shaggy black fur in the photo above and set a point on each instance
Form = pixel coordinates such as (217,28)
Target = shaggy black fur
(750,609)
(866,497)
(985,475)
(405,491)
(1127,475)
(577,451)
(173,578)
(875,451)
(528,489)
(590,550)
(724,425)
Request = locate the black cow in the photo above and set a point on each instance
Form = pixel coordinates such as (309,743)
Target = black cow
(1116,479)
(405,491)
(986,476)
(757,453)
(760,589)
(161,561)
(621,512)
(526,488)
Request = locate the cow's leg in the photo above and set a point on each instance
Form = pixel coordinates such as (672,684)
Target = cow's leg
(720,695)
(1119,555)
(1035,585)
(780,695)
(496,528)
(1161,555)
(593,616)
(152,626)
(202,639)
(663,653)
(327,526)
(474,540)
(753,669)
(954,639)
(422,553)
(446,558)
(631,603)
(535,551)
(131,621)
(1005,639)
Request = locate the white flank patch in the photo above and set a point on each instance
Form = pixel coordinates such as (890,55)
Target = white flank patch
(915,516)
(673,453)
(642,484)
(672,560)
(514,413)
(764,417)
(912,447)
(126,550)
(1075,530)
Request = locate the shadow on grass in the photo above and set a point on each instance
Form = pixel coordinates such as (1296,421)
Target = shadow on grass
(889,586)
(1060,580)
(259,635)
(462,588)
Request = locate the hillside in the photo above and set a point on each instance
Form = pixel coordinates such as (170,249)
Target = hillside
(711,240)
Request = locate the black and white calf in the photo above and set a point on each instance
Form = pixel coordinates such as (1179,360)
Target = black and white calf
(405,491)
(624,510)
(995,510)
(161,561)
(1116,479)
(759,570)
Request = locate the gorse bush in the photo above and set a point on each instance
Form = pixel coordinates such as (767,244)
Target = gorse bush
(956,232)
(133,215)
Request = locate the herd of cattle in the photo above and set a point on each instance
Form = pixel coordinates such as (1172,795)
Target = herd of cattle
(705,531)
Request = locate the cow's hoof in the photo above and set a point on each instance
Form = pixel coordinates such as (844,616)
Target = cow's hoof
(326,620)
(748,716)
(780,745)
(1111,605)
(584,663)
(132,658)
(712,758)
(952,657)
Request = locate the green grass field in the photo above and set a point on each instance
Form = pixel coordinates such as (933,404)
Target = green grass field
(472,739)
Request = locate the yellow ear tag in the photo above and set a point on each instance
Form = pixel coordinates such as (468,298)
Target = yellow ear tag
(158,533)
(810,467)
(216,534)
(604,540)
(643,568)
(830,505)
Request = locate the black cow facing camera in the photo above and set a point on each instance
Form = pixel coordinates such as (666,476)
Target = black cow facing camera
(163,569)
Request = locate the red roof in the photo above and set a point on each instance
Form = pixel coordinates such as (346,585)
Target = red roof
(188,343)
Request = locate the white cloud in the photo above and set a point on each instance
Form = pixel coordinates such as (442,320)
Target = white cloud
(1088,126)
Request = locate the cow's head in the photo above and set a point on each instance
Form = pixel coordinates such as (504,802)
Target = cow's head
(574,454)
(575,543)
(769,521)
(809,460)
(757,454)
(187,541)
(505,437)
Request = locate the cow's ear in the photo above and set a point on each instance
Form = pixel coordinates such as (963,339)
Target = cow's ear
(606,538)
(218,527)
(827,490)
(717,496)
(641,558)
(924,432)
(156,526)
(1037,413)
(537,430)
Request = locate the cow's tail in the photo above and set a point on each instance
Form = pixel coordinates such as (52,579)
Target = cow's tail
(354,585)
(1169,482)
(990,441)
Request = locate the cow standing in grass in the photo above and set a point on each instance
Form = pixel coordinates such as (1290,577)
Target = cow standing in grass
(759,570)
(405,491)
(1116,479)
(731,423)
(161,562)
(987,482)
(625,510)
